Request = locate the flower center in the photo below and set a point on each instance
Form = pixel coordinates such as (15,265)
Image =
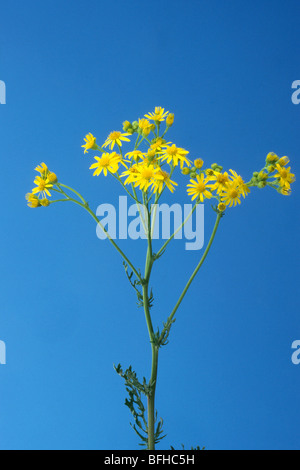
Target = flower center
(147,173)
(172,150)
(200,187)
(114,135)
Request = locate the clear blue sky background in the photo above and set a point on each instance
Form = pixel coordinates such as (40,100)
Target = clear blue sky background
(226,380)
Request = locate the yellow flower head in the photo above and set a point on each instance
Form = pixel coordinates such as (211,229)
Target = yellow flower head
(116,137)
(135,155)
(198,188)
(284,176)
(158,115)
(159,183)
(131,174)
(90,143)
(220,180)
(174,155)
(157,144)
(145,126)
(146,175)
(109,162)
(42,169)
(231,194)
(42,186)
(32,200)
(238,181)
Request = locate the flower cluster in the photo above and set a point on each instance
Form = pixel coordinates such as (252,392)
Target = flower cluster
(44,182)
(150,165)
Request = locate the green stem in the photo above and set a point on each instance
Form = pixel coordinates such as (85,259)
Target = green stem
(154,347)
(194,273)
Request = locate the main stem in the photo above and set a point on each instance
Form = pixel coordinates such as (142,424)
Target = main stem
(154,347)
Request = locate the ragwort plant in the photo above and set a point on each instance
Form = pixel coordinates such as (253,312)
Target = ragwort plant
(145,172)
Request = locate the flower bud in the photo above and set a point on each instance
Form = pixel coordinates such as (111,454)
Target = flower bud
(126,126)
(193,174)
(170,119)
(214,166)
(272,157)
(52,178)
(285,191)
(135,125)
(283,161)
(270,168)
(261,184)
(262,176)
(198,163)
(45,202)
(221,207)
(185,171)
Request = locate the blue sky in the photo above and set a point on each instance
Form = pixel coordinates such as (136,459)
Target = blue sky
(226,379)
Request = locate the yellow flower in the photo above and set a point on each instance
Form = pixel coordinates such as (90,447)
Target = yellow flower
(199,188)
(145,126)
(239,183)
(33,200)
(231,194)
(157,144)
(220,180)
(90,143)
(42,186)
(175,155)
(146,175)
(42,169)
(158,184)
(108,162)
(284,175)
(135,155)
(158,115)
(131,174)
(116,137)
